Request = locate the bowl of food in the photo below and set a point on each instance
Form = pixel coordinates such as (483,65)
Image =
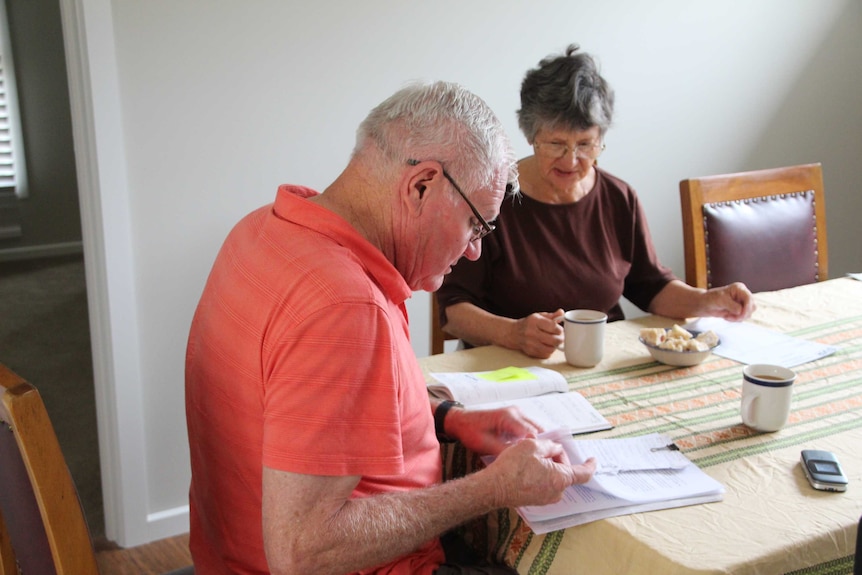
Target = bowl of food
(678,346)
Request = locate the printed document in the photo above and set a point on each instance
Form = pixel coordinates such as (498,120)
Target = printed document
(638,474)
(748,343)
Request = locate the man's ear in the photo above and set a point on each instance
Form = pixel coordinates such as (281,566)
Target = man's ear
(420,179)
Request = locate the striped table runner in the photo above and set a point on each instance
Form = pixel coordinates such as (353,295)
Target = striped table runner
(765,523)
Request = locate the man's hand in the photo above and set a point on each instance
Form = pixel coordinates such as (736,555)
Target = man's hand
(313,524)
(489,432)
(536,472)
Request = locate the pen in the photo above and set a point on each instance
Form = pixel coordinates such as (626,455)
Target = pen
(668,447)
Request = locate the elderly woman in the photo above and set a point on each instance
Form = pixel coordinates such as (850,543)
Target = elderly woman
(576,237)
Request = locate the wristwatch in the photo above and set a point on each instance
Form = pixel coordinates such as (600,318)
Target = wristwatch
(440,415)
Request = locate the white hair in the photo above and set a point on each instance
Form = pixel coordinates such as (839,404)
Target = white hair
(445,122)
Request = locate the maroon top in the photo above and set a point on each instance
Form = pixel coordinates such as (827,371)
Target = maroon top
(582,255)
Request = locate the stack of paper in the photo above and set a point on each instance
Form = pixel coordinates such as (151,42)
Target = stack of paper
(633,475)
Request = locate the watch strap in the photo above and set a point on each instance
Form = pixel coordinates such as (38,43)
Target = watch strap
(440,416)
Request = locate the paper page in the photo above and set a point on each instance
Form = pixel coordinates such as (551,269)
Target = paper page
(643,453)
(626,488)
(471,388)
(568,411)
(576,499)
(659,484)
(748,343)
(855,276)
(557,523)
(639,469)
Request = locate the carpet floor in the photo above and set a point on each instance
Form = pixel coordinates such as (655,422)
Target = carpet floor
(45,338)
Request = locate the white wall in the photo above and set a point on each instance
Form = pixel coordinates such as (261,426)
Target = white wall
(219,102)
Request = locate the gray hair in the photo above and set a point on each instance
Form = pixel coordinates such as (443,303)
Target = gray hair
(565,91)
(445,122)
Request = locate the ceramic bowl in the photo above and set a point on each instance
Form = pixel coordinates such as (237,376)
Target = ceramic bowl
(678,358)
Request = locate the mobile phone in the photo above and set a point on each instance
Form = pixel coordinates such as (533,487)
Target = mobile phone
(823,470)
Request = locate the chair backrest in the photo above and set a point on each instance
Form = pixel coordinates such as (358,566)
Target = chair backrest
(438,336)
(857,562)
(39,505)
(766,228)
(7,556)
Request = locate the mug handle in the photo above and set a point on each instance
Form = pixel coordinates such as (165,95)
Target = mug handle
(748,402)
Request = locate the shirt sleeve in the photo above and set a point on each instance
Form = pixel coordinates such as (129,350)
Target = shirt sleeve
(469,281)
(647,276)
(332,382)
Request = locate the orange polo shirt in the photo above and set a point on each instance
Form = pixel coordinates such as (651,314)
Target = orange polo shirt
(299,359)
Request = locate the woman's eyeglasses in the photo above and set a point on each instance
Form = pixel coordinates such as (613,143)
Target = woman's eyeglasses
(556,150)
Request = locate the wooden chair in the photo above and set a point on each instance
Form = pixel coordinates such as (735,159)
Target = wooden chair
(42,524)
(857,562)
(438,336)
(38,499)
(766,228)
(7,556)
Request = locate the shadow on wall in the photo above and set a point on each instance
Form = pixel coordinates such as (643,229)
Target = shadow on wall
(822,111)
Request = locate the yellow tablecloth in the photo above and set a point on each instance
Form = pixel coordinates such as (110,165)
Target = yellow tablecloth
(771,521)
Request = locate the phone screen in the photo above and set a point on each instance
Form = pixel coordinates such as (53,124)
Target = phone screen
(827,467)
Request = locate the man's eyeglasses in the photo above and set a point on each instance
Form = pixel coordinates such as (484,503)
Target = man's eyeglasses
(481,227)
(556,150)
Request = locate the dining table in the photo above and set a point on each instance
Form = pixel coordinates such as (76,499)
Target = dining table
(770,520)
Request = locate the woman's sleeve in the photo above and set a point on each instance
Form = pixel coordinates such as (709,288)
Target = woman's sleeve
(647,276)
(468,281)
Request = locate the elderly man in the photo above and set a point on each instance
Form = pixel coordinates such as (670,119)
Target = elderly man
(312,436)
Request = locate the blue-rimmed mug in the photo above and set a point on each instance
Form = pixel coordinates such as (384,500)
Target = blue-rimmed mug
(767,391)
(584,336)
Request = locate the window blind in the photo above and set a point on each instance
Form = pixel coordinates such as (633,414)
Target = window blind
(13,173)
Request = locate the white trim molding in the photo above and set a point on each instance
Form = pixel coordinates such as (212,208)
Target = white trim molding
(88,31)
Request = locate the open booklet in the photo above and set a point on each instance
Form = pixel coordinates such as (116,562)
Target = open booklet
(541,394)
(633,475)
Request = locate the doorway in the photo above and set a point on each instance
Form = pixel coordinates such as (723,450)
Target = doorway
(44,326)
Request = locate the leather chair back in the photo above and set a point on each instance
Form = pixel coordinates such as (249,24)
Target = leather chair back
(28,543)
(857,564)
(766,228)
(768,243)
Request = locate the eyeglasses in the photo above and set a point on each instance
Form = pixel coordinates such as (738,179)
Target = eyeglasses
(481,227)
(556,150)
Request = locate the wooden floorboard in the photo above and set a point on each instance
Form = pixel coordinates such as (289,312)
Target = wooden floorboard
(153,558)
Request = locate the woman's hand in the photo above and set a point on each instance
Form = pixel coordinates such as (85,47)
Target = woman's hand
(732,302)
(539,334)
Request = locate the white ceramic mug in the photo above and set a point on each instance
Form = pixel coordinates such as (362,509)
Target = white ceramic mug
(766,394)
(585,337)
